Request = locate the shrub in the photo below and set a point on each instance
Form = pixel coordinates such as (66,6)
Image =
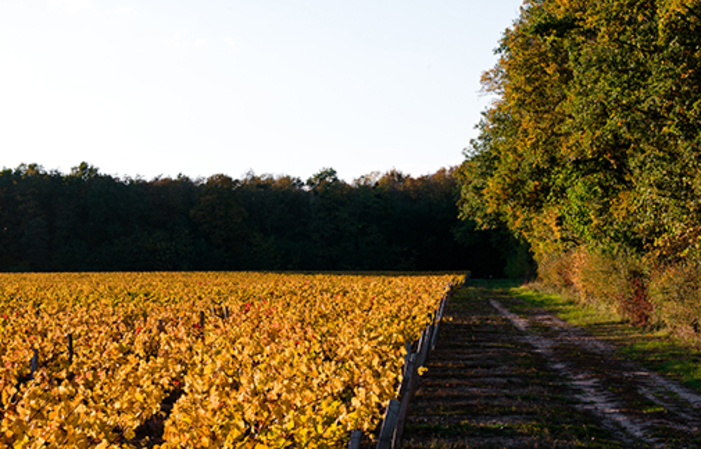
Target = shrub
(618,283)
(675,291)
(555,272)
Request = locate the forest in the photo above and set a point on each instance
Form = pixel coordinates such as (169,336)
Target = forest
(590,152)
(89,221)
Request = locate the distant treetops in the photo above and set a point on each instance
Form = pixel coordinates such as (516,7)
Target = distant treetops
(89,221)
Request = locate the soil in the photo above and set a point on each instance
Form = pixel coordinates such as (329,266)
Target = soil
(498,379)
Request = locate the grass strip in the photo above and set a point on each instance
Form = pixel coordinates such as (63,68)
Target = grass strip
(655,349)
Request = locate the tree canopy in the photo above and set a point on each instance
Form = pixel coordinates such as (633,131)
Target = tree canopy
(593,139)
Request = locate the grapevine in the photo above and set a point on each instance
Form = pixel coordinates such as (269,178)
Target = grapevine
(176,360)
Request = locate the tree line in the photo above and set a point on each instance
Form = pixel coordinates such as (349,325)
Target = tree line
(89,221)
(590,151)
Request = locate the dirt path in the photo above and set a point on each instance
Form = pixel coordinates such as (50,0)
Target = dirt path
(498,379)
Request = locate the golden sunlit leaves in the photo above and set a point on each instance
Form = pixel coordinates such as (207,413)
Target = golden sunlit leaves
(215,359)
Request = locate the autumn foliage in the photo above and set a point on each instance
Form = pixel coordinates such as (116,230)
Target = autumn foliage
(591,150)
(203,359)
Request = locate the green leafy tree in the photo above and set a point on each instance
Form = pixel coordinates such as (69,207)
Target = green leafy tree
(218,215)
(593,140)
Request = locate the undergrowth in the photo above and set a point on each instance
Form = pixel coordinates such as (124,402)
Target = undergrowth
(655,347)
(641,292)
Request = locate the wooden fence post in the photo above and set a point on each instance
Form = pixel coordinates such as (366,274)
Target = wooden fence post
(34,363)
(388,425)
(406,392)
(70,348)
(407,357)
(393,424)
(420,344)
(409,371)
(423,348)
(441,311)
(354,443)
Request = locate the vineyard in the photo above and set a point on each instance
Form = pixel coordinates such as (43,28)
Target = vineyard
(175,360)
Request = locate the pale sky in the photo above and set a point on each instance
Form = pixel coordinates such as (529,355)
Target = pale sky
(161,87)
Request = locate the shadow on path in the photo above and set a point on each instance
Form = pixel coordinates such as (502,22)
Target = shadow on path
(497,379)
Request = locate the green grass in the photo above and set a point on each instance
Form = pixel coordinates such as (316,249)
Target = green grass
(523,403)
(493,284)
(654,349)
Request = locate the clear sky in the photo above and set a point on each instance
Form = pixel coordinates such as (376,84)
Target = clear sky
(162,87)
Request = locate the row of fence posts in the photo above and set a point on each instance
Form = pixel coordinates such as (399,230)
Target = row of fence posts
(34,361)
(395,415)
(396,412)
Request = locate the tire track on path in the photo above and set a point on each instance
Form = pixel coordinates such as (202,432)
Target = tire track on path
(498,379)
